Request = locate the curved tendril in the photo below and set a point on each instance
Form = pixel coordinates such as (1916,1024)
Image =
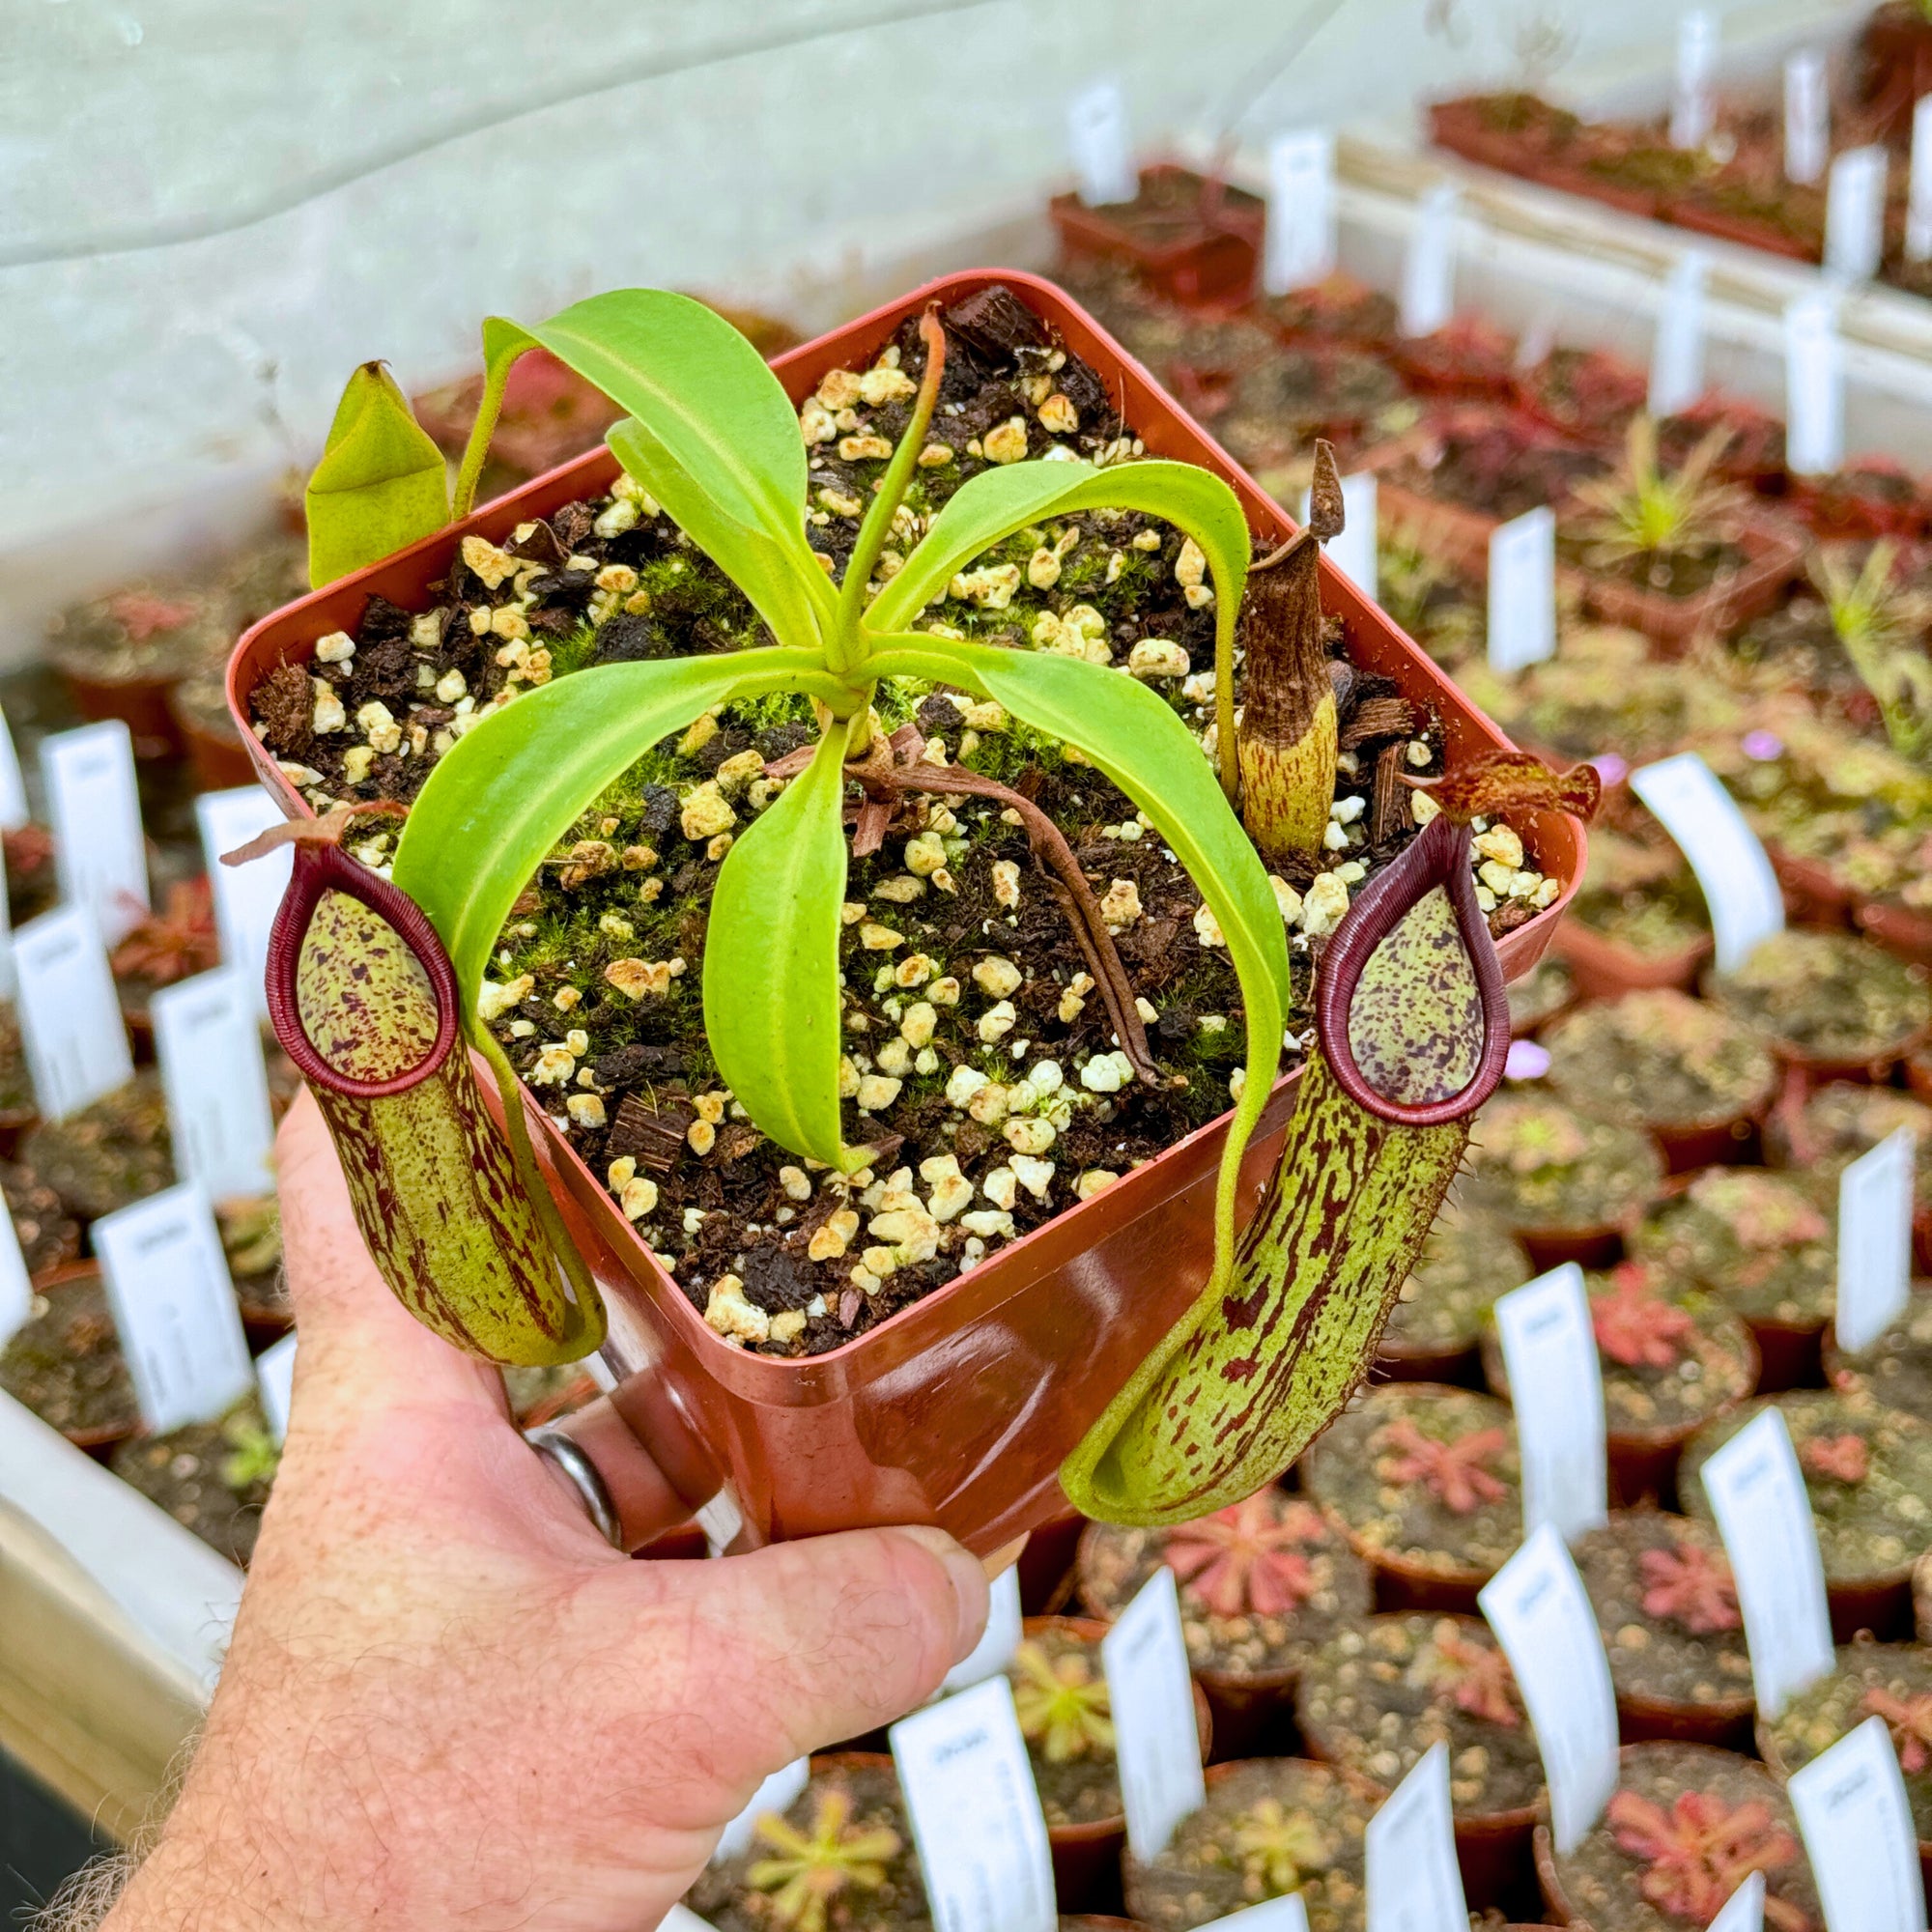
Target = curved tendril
(1438,857)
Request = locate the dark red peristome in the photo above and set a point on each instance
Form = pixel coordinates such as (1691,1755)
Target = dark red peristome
(1438,857)
(325,869)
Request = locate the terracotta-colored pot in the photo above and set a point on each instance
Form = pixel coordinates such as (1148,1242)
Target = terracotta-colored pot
(1606,969)
(15,1123)
(1726,1726)
(1404,1585)
(960,1409)
(1813,894)
(1046,1563)
(1788,1354)
(1897,928)
(1459,1368)
(1896,54)
(220,762)
(1706,217)
(1594,1247)
(141,703)
(1880,1604)
(1773,553)
(1643,1461)
(1207,255)
(1087,1856)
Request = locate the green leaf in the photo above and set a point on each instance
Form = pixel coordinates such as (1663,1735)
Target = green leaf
(381,484)
(771,959)
(1131,736)
(513,786)
(990,507)
(713,436)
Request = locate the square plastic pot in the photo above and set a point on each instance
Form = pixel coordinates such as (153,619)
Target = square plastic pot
(1201,254)
(960,1409)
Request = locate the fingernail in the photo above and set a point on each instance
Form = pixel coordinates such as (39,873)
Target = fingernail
(968,1585)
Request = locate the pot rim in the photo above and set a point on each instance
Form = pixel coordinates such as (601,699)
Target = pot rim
(777,1378)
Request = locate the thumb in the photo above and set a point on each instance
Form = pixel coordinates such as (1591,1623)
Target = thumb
(800,1646)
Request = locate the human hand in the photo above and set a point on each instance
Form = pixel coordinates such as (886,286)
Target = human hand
(448,1702)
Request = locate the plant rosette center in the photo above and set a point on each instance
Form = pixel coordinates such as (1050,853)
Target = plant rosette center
(1423,1477)
(1375,1698)
(1260,1582)
(1765,1244)
(1668,1609)
(1538,1164)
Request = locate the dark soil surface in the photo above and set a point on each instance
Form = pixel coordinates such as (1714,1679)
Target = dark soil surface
(974,980)
(1423,1476)
(1828,995)
(1764,1243)
(859,1803)
(46,1233)
(1468,1259)
(1660,1060)
(1896,1370)
(1375,1697)
(1661,1590)
(1892,1681)
(200,1477)
(65,1363)
(1535,1163)
(109,1154)
(1262,1583)
(1669,1795)
(17,1086)
(1671,1353)
(1679,574)
(1270,1826)
(1867,1471)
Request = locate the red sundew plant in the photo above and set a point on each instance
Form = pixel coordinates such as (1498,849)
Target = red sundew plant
(174,943)
(1910,1721)
(1701,1850)
(1474,1677)
(1634,1324)
(1690,1586)
(1843,1458)
(1455,1473)
(1240,1561)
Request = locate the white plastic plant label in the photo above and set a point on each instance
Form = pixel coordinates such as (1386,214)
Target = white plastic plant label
(1814,385)
(1744,1909)
(1692,109)
(101,853)
(1757,1496)
(220,1116)
(247,896)
(1859,1835)
(1285,1914)
(1536,1606)
(1414,1883)
(1740,889)
(275,1384)
(1556,1388)
(1354,551)
(1807,117)
(1100,146)
(681,1919)
(1522,590)
(16,1291)
(1855,214)
(1150,1692)
(1429,267)
(173,1307)
(69,1017)
(776,1794)
(14,811)
(1677,352)
(975,1816)
(1919,206)
(996,1642)
(1875,1241)
(1300,245)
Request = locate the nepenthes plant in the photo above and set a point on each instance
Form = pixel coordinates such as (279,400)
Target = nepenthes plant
(371,986)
